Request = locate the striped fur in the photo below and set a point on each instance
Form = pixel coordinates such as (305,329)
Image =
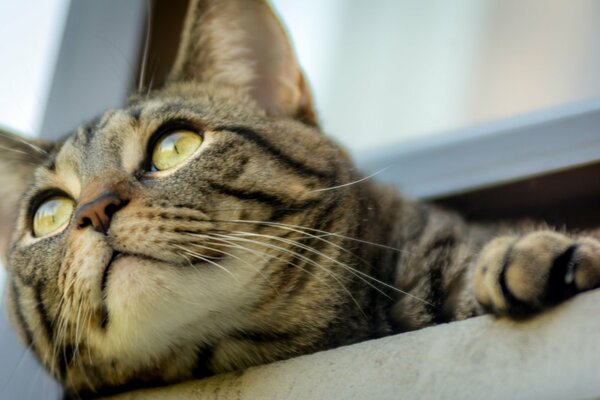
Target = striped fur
(258,248)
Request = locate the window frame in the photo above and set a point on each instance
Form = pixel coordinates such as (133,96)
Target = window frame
(491,154)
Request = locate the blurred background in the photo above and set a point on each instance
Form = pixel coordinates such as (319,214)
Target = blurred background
(381,71)
(390,70)
(386,74)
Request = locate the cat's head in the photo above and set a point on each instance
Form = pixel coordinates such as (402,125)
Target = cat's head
(165,238)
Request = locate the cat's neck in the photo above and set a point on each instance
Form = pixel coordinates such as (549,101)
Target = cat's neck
(380,222)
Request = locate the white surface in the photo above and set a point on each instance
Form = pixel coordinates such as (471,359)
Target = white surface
(30,36)
(365,61)
(553,356)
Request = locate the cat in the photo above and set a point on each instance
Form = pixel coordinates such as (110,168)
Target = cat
(209,226)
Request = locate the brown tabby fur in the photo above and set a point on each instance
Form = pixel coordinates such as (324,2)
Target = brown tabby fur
(255,249)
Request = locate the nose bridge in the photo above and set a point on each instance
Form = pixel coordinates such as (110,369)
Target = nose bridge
(98,186)
(101,158)
(99,201)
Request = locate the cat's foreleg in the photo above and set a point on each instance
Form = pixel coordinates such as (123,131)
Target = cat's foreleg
(503,270)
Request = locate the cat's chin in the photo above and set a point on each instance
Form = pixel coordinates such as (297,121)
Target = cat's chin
(131,279)
(140,288)
(152,304)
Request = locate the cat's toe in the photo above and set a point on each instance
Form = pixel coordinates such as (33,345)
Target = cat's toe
(586,268)
(522,275)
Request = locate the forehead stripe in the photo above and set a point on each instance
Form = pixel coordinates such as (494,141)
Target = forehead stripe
(257,140)
(280,206)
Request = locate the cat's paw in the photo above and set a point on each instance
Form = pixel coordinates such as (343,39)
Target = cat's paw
(522,275)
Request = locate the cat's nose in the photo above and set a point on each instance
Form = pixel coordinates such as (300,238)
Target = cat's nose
(98,213)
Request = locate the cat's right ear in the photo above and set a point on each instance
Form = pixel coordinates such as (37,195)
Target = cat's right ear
(241,43)
(19,157)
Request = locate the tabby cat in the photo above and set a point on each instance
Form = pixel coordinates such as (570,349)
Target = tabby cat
(210,226)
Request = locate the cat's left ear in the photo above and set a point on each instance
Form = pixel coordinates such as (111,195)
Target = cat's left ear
(19,157)
(241,43)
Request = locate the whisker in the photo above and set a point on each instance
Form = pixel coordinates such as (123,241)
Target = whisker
(350,183)
(77,333)
(202,258)
(175,292)
(77,351)
(278,224)
(312,250)
(19,364)
(230,243)
(321,239)
(356,272)
(23,141)
(257,270)
(33,383)
(60,331)
(308,260)
(144,63)
(63,325)
(15,151)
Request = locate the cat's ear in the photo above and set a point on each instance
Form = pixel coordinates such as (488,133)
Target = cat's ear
(19,157)
(241,43)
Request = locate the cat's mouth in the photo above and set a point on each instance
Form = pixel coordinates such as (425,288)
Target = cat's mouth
(127,267)
(109,264)
(113,258)
(116,255)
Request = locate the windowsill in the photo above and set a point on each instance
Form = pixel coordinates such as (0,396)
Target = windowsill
(556,355)
(490,154)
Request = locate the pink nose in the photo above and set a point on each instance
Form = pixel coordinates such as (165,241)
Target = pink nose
(98,213)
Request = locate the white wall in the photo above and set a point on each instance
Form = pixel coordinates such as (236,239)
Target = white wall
(30,36)
(387,71)
(536,55)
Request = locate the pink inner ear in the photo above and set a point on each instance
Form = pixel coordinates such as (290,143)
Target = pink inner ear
(241,43)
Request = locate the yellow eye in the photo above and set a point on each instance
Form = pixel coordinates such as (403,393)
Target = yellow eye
(52,215)
(174,148)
